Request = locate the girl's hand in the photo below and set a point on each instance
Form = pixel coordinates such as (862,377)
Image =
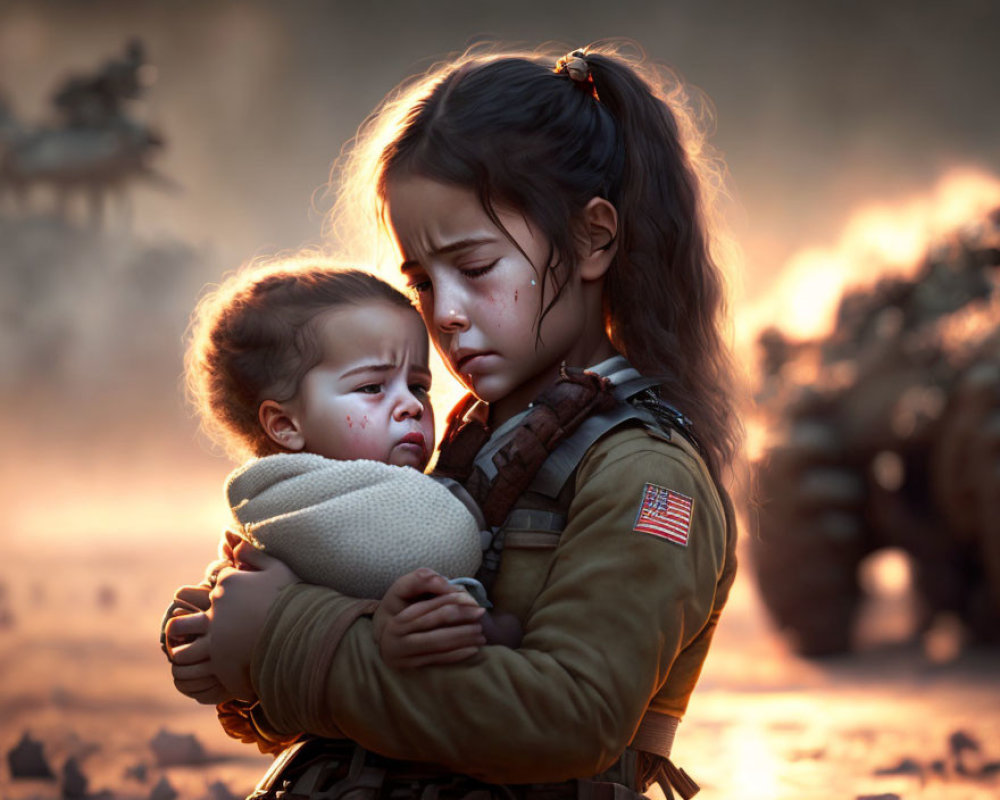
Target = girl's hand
(228,631)
(425,620)
(240,602)
(188,649)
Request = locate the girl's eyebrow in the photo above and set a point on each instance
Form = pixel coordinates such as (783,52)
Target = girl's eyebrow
(453,247)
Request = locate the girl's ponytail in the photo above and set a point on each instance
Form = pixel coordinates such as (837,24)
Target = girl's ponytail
(664,296)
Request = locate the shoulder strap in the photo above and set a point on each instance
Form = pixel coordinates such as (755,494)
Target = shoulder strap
(637,402)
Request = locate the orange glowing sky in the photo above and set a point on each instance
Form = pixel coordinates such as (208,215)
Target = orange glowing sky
(838,168)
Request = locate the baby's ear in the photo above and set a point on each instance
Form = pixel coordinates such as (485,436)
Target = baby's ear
(280,425)
(598,238)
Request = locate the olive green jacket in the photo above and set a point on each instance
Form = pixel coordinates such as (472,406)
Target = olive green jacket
(616,621)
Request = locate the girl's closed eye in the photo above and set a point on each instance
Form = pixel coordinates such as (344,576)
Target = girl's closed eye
(478,272)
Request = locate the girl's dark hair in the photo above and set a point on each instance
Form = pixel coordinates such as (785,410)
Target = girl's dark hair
(254,337)
(525,135)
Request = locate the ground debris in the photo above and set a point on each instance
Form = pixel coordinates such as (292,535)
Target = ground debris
(176,749)
(960,741)
(906,766)
(74,782)
(965,760)
(813,754)
(217,790)
(107,597)
(163,790)
(6,615)
(990,769)
(960,745)
(27,760)
(138,772)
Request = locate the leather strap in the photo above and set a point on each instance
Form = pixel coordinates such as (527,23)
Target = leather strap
(553,417)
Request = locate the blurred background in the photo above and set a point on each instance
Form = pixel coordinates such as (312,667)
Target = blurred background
(146,148)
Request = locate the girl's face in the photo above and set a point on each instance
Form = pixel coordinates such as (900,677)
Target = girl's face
(480,293)
(367,398)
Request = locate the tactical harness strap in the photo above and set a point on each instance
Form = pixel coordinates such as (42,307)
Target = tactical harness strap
(497,474)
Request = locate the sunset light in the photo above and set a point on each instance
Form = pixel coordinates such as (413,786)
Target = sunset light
(879,238)
(785,216)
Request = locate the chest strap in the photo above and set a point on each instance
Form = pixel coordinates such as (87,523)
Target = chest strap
(555,415)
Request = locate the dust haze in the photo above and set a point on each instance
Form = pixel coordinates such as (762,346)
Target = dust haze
(820,109)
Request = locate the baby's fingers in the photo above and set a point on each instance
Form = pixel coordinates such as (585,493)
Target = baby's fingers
(431,647)
(441,640)
(444,609)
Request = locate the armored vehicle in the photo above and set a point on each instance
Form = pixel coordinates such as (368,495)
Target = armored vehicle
(886,433)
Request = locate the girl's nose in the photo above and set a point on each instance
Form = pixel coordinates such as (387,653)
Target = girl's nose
(449,312)
(452,320)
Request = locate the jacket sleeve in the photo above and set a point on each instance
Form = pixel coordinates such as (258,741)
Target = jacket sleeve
(616,610)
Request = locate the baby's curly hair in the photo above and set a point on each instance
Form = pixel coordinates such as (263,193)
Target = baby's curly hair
(253,338)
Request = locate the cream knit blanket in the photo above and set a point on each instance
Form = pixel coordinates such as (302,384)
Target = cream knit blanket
(355,526)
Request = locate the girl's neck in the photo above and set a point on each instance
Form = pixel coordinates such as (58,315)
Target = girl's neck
(517,401)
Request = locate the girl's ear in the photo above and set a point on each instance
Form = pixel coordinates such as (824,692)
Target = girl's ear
(598,238)
(280,425)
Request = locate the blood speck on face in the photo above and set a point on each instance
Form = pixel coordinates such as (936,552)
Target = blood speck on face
(364,422)
(515,295)
(350,423)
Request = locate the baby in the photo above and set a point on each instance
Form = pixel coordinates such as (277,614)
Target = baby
(322,375)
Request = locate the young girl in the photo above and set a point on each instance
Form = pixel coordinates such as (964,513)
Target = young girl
(549,217)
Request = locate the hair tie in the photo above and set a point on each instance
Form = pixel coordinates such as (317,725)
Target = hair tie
(575,65)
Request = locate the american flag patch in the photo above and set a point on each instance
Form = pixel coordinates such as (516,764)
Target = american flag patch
(665,514)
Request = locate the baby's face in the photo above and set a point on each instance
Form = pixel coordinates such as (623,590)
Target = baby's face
(368,397)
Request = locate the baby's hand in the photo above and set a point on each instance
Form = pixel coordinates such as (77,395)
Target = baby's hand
(425,620)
